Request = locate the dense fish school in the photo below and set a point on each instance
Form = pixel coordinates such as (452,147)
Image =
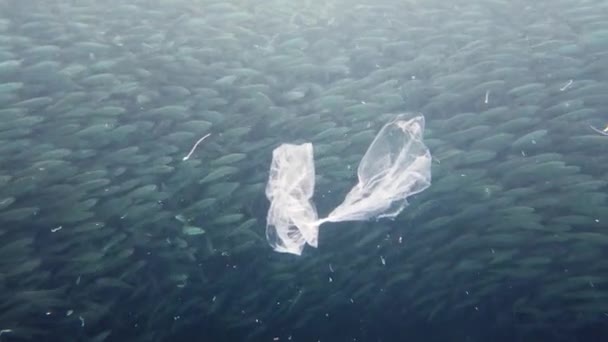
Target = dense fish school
(113,228)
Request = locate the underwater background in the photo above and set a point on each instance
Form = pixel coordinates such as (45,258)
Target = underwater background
(109,233)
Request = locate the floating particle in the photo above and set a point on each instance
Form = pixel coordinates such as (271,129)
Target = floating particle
(602,132)
(195,146)
(566,86)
